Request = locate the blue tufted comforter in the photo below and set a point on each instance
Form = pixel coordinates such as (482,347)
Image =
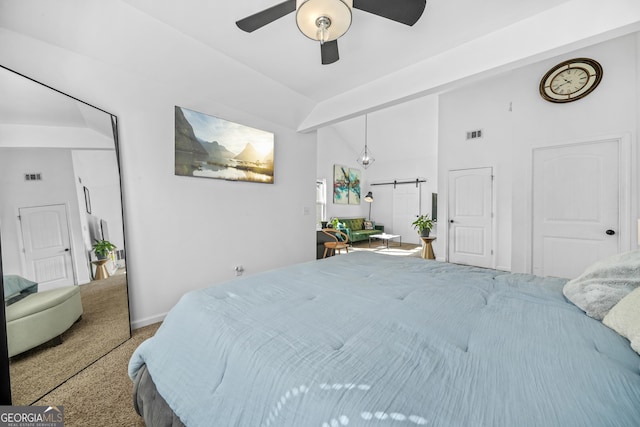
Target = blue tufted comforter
(372,340)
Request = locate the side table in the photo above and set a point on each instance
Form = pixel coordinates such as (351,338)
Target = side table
(427,249)
(101,269)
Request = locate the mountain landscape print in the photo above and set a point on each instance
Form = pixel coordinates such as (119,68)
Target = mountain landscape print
(210,147)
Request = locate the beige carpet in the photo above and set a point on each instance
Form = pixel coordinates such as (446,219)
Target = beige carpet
(104,325)
(101,395)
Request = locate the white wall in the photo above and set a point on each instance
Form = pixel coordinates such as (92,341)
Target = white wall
(510,136)
(635,175)
(338,148)
(483,106)
(403,140)
(98,171)
(60,170)
(406,148)
(56,187)
(181,233)
(93,160)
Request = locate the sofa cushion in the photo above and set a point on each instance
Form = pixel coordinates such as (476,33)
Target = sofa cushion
(353,224)
(40,301)
(366,232)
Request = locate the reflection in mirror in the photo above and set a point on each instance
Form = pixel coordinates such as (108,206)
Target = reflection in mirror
(59,194)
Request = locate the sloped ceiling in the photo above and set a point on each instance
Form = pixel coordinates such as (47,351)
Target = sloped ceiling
(382,63)
(391,62)
(28,104)
(372,48)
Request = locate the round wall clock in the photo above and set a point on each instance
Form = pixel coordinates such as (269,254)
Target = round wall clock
(571,80)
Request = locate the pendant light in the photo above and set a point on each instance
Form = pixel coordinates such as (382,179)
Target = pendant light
(365,159)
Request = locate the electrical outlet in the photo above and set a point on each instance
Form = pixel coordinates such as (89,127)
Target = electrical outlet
(474,134)
(239,270)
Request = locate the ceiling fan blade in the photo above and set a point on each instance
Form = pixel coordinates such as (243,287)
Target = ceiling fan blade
(404,11)
(329,52)
(267,16)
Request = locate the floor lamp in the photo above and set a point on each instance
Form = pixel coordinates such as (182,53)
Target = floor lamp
(369,198)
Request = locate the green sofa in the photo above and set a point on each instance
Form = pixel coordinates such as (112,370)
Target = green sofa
(355,229)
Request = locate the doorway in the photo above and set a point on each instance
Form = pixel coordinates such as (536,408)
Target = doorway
(406,208)
(578,197)
(47,245)
(470,208)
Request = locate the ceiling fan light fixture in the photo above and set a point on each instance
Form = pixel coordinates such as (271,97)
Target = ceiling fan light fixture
(314,17)
(323,23)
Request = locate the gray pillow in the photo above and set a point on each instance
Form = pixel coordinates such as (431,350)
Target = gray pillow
(15,285)
(605,283)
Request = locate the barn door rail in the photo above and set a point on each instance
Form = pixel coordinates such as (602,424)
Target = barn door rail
(395,183)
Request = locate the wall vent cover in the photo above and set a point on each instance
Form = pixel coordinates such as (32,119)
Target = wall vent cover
(33,177)
(474,134)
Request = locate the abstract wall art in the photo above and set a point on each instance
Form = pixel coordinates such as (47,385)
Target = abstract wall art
(354,186)
(346,185)
(340,185)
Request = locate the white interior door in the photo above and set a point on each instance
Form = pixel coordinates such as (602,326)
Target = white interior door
(470,217)
(406,208)
(47,247)
(576,207)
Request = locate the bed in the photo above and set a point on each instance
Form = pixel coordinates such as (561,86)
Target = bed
(365,339)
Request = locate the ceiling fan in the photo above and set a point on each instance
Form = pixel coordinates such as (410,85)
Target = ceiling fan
(327,20)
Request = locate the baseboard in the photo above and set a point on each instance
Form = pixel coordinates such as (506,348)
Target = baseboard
(136,324)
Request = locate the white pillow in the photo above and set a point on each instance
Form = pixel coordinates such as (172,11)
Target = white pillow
(624,318)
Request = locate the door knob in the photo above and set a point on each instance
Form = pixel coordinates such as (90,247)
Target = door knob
(610,232)
(451,221)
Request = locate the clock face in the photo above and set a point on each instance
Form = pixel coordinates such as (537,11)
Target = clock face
(571,80)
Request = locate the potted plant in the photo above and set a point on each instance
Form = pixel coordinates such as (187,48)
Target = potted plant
(102,248)
(423,224)
(334,223)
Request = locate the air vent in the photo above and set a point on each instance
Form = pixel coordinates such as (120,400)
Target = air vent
(33,177)
(474,134)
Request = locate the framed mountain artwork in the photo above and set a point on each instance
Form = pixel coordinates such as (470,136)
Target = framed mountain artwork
(211,147)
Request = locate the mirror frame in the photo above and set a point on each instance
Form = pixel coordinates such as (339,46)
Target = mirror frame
(5,377)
